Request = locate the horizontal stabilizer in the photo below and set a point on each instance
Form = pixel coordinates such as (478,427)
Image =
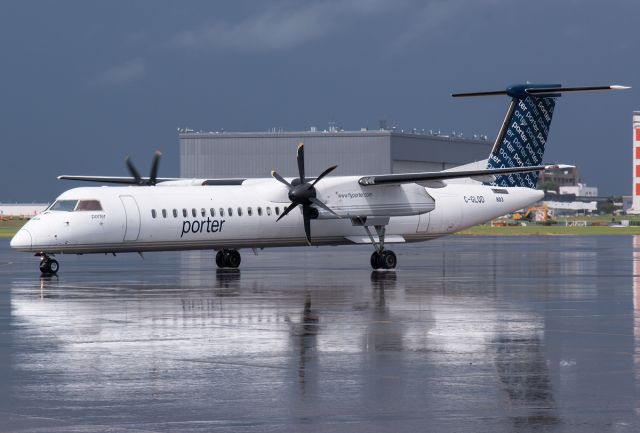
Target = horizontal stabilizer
(444,175)
(523,90)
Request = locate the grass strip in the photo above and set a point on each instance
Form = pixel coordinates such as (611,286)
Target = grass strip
(486,230)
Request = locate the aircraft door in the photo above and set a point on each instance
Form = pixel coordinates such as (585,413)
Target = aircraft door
(132,217)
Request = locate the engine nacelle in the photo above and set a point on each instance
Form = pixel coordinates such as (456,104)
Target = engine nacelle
(349,199)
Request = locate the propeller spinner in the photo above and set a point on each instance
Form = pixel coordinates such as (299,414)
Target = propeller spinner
(303,193)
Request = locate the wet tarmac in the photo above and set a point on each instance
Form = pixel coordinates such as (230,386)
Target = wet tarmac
(468,335)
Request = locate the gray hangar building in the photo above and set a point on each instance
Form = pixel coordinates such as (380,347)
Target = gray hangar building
(255,154)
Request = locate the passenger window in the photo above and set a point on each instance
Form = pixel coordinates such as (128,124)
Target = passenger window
(64,205)
(164,213)
(184,213)
(153,213)
(203,212)
(175,213)
(89,205)
(268,211)
(277,210)
(230,212)
(212,211)
(193,212)
(239,211)
(249,211)
(259,211)
(221,212)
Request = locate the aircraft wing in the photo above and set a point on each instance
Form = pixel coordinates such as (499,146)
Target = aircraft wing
(113,179)
(436,176)
(174,181)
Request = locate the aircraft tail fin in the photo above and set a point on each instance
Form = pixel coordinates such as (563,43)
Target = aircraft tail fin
(523,135)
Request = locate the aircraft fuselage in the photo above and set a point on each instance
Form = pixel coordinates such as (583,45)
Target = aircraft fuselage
(161,218)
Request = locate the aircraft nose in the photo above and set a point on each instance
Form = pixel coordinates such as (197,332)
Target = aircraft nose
(22,239)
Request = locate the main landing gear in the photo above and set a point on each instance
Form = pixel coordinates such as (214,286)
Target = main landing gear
(384,260)
(381,258)
(228,259)
(48,266)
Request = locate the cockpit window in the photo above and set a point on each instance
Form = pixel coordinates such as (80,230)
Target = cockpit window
(89,205)
(76,205)
(64,205)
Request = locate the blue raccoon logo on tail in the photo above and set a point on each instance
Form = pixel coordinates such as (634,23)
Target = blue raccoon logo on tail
(523,135)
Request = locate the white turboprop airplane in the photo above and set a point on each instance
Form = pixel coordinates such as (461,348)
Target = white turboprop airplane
(171,214)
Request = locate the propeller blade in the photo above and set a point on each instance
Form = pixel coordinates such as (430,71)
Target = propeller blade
(322,205)
(286,211)
(324,173)
(306,217)
(280,179)
(154,167)
(132,170)
(300,157)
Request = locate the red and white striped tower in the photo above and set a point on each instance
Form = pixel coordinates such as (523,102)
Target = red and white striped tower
(635,207)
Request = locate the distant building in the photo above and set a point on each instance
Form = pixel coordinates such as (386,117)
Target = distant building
(635,191)
(560,177)
(561,208)
(21,210)
(255,154)
(580,190)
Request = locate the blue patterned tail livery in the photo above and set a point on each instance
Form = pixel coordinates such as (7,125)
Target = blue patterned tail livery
(524,132)
(522,137)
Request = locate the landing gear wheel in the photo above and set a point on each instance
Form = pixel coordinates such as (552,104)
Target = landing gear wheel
(53,266)
(228,259)
(385,260)
(375,260)
(233,259)
(388,259)
(49,266)
(220,259)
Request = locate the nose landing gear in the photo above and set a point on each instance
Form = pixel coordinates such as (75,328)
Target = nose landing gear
(228,259)
(48,266)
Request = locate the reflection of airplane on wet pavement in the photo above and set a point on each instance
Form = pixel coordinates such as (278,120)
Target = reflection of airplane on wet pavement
(170,214)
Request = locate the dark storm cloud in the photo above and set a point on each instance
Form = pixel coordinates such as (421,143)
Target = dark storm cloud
(85,83)
(280,26)
(276,28)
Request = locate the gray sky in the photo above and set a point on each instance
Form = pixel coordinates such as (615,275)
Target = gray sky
(82,83)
